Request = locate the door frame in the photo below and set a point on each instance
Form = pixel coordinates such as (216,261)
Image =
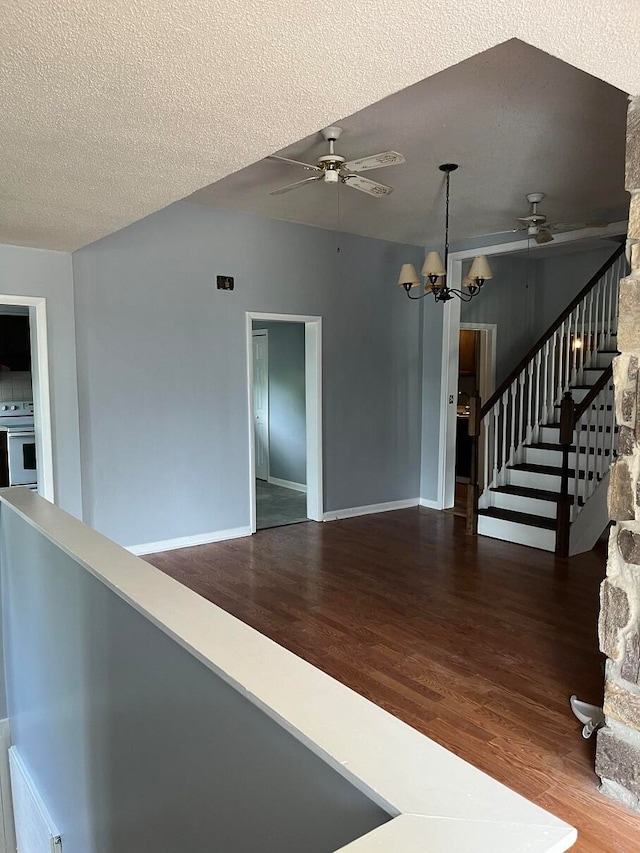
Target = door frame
(262,333)
(37,306)
(313,408)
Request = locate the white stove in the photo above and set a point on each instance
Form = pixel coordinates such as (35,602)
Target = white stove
(17,445)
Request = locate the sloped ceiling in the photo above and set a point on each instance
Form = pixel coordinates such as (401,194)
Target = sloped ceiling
(515,119)
(112,110)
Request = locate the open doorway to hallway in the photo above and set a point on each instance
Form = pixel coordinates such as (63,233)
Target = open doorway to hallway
(279,423)
(285,419)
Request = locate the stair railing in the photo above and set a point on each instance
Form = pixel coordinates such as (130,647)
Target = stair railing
(530,396)
(587,437)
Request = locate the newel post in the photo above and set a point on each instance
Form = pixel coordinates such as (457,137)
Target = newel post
(475,404)
(563,518)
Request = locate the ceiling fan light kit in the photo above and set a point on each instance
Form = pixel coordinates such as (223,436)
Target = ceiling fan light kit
(333,168)
(434,269)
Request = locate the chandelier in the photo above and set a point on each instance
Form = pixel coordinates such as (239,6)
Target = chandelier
(434,271)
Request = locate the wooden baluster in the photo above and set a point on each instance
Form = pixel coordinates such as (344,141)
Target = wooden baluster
(551,359)
(521,424)
(472,489)
(513,413)
(567,355)
(529,402)
(505,414)
(574,351)
(486,459)
(596,318)
(582,351)
(609,306)
(537,389)
(496,410)
(591,357)
(567,423)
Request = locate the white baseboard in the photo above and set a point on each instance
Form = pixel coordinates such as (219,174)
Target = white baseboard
(429,504)
(351,512)
(288,484)
(7,825)
(189,541)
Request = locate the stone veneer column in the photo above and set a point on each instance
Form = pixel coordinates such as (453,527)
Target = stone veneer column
(618,747)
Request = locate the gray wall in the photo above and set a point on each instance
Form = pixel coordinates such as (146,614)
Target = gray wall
(524,306)
(35,272)
(561,278)
(287,421)
(134,744)
(155,337)
(508,300)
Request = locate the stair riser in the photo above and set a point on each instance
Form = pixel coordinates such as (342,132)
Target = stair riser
(537,456)
(531,480)
(519,503)
(550,435)
(510,531)
(603,359)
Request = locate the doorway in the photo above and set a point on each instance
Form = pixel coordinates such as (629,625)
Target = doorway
(36,310)
(285,417)
(476,375)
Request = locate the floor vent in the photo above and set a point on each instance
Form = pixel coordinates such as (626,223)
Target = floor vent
(35,831)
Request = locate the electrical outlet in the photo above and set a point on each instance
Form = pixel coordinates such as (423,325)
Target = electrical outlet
(450,398)
(225,282)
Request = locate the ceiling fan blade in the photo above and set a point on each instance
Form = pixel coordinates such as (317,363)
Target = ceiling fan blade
(578,226)
(294,162)
(374,161)
(543,236)
(366,186)
(295,186)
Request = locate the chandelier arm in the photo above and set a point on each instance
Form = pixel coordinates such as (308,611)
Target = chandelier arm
(422,296)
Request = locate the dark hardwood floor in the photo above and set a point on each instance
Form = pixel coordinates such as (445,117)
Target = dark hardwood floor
(477,643)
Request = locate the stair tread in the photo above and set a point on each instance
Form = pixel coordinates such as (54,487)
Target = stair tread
(526,492)
(519,517)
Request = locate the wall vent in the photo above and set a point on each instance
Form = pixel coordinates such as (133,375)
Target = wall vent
(35,831)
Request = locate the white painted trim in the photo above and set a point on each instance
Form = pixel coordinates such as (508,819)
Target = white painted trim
(313,409)
(435,800)
(451,332)
(370,509)
(189,541)
(7,825)
(429,504)
(41,391)
(264,333)
(288,484)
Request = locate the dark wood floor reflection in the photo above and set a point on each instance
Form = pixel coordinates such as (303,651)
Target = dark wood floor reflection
(477,643)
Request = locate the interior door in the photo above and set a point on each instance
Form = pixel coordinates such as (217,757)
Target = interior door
(261,401)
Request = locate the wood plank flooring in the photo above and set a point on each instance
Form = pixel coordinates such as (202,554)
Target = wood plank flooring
(475,642)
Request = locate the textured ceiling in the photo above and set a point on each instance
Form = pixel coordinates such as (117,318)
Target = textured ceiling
(111,110)
(515,119)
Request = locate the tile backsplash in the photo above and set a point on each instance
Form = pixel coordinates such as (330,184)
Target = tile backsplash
(15,385)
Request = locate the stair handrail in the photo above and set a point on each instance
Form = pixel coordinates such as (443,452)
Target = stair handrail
(522,364)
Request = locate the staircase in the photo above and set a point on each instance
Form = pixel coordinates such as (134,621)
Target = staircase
(541,485)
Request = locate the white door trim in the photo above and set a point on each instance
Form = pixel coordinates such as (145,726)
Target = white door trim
(451,335)
(263,333)
(313,395)
(41,391)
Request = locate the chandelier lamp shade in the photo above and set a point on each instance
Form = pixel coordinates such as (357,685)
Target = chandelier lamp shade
(433,275)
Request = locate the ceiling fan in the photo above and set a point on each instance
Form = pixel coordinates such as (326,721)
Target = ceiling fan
(536,226)
(332,168)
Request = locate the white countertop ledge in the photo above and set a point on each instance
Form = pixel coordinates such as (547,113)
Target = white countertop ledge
(440,803)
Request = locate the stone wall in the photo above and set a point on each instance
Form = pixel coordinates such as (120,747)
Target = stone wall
(618,747)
